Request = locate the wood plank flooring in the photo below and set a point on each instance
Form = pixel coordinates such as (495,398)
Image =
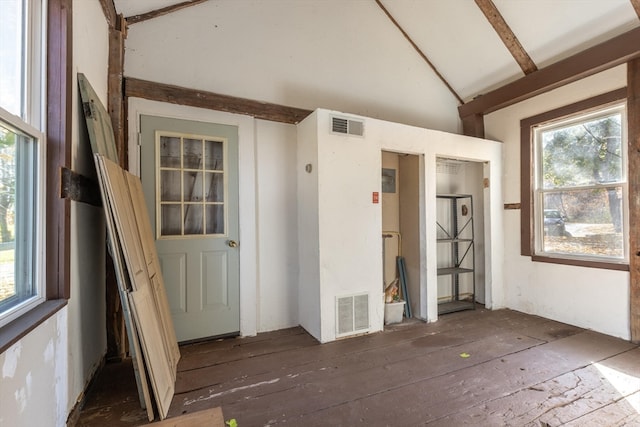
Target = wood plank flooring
(476,368)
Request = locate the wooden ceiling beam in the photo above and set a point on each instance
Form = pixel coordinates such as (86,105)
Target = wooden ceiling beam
(160,12)
(196,98)
(507,36)
(109,10)
(603,56)
(424,57)
(636,6)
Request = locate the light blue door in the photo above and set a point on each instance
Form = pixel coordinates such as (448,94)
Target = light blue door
(189,173)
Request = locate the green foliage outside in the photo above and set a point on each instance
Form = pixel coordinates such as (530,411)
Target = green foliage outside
(580,155)
(7,184)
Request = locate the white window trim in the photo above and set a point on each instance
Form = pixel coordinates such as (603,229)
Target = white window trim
(33,123)
(538,192)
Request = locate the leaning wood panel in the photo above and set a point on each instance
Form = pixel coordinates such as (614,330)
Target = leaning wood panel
(124,219)
(633,117)
(153,266)
(123,286)
(162,379)
(98,121)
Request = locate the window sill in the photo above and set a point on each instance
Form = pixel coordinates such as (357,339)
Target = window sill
(582,263)
(20,327)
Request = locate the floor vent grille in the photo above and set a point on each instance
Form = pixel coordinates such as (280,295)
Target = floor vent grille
(352,314)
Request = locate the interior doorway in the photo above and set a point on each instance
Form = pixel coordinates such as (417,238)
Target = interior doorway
(401,226)
(460,186)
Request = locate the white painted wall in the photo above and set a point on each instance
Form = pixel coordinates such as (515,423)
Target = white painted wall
(277,225)
(344,255)
(45,373)
(586,297)
(35,387)
(335,54)
(87,319)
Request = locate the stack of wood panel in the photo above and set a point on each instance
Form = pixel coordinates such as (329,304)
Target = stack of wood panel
(152,339)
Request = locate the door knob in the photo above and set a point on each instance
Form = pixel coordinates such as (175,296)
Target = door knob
(232,243)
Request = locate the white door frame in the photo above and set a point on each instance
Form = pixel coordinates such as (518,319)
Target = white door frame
(247,188)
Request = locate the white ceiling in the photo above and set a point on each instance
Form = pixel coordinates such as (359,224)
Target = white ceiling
(460,42)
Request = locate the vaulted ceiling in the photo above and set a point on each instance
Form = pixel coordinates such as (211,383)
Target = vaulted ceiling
(477,45)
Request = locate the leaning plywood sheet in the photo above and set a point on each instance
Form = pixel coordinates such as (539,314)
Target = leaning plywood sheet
(148,320)
(162,379)
(132,228)
(123,287)
(153,265)
(98,121)
(124,219)
(102,141)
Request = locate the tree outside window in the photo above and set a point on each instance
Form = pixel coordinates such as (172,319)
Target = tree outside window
(580,186)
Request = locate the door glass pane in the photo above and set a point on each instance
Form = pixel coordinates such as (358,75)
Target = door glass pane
(192,186)
(170,219)
(214,190)
(214,154)
(215,219)
(170,186)
(193,219)
(169,152)
(192,153)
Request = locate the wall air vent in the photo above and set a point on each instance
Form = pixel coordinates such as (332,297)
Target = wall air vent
(352,315)
(347,126)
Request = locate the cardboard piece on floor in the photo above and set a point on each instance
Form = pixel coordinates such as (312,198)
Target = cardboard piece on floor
(209,417)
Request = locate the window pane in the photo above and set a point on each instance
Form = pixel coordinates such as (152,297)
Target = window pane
(170,186)
(583,154)
(169,152)
(192,186)
(193,219)
(215,219)
(11,56)
(584,222)
(214,190)
(214,155)
(192,153)
(171,220)
(17,219)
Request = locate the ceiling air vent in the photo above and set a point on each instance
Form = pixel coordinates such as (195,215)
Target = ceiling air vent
(346,126)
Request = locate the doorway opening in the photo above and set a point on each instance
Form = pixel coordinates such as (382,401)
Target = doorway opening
(460,187)
(401,234)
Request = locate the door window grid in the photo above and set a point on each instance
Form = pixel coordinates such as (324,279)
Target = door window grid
(191,186)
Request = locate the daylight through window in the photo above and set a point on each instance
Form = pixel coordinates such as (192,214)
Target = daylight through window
(580,186)
(21,157)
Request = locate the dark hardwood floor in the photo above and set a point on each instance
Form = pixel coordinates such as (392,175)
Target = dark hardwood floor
(477,368)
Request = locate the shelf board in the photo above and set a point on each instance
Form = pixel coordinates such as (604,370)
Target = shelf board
(454,240)
(453,270)
(452,306)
